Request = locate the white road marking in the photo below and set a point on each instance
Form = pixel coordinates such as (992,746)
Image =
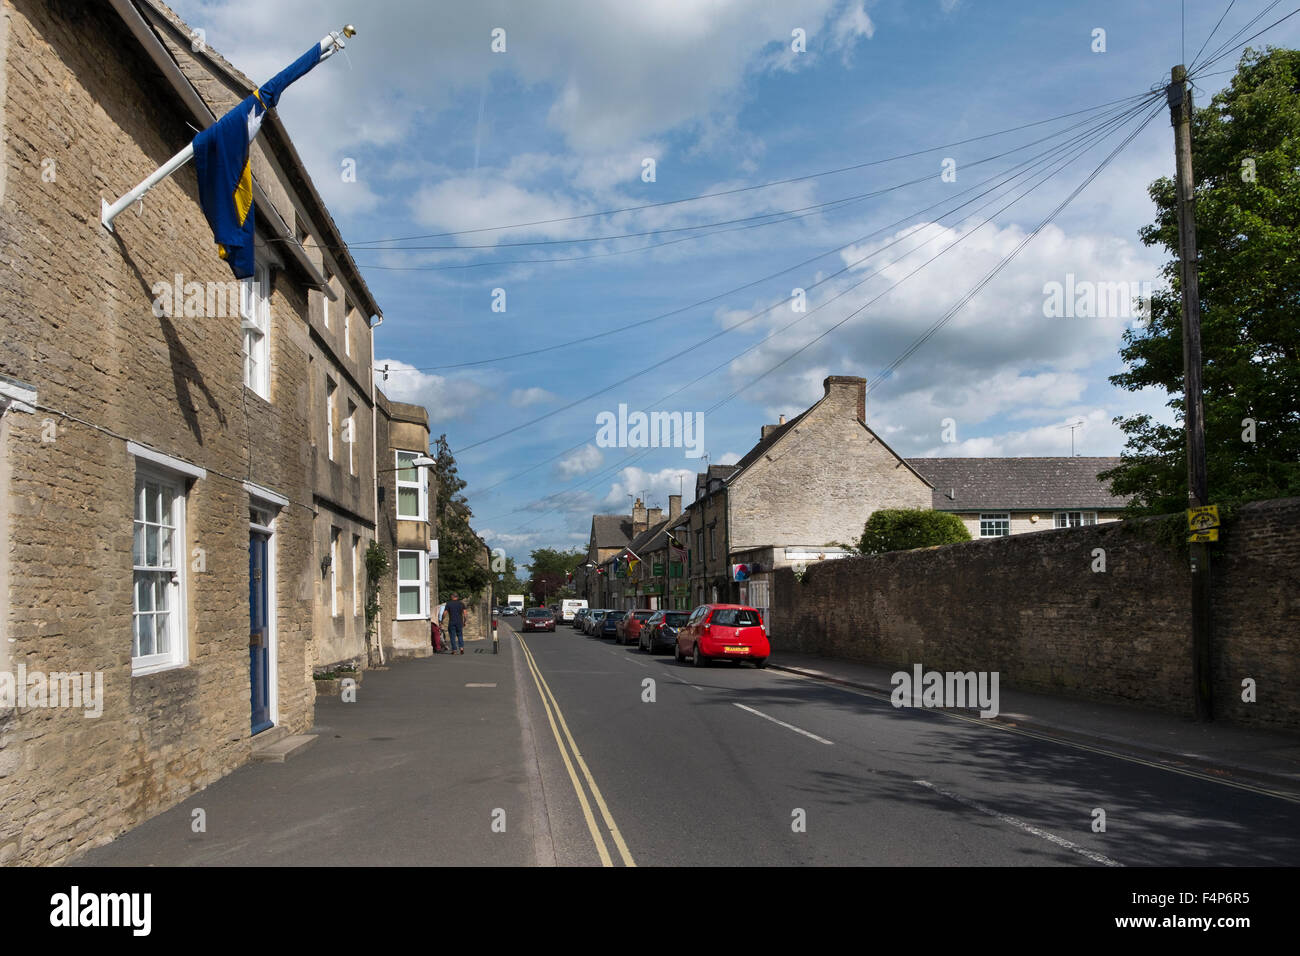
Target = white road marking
(1022,825)
(784,724)
(493,684)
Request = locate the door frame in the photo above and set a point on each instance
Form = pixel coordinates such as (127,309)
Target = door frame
(272,637)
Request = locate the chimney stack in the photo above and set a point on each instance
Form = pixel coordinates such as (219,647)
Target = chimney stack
(655,516)
(781,420)
(674,507)
(638,517)
(850,391)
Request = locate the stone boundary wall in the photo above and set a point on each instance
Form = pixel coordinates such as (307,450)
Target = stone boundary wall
(1032,608)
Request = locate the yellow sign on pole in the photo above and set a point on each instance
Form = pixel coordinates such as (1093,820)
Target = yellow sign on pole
(1200,537)
(1203,518)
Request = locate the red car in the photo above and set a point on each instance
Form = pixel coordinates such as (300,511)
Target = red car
(539,619)
(629,629)
(723,632)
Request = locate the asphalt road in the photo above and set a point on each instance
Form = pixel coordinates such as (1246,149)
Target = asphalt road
(730,765)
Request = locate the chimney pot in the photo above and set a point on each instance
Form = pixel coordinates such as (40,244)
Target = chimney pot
(674,507)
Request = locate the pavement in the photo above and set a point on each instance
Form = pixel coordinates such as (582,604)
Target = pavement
(426,768)
(1268,757)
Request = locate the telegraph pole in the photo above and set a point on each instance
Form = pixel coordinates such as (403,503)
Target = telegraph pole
(1198,494)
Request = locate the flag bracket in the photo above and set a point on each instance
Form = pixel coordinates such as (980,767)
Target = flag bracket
(329,45)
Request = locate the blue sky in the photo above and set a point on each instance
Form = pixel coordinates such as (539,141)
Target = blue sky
(448,136)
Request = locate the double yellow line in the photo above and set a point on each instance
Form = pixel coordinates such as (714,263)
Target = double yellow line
(552,707)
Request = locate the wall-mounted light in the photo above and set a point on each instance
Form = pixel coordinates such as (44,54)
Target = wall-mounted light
(325,563)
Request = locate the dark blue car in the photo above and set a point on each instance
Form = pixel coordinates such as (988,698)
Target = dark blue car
(609,623)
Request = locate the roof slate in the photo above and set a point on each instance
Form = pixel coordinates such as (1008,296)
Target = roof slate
(1020,483)
(611,531)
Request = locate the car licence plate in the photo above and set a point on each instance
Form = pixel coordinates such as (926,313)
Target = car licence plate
(735,650)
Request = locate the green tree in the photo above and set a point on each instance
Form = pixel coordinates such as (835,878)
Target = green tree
(462,555)
(901,529)
(508,581)
(1246,162)
(549,573)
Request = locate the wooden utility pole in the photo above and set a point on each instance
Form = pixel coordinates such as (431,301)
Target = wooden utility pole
(1198,494)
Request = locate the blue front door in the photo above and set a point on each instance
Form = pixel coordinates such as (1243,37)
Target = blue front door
(259,632)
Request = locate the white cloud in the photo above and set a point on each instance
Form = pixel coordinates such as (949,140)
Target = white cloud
(652,487)
(445,398)
(586,459)
(523,397)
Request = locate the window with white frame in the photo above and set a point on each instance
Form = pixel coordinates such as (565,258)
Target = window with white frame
(325,298)
(334,572)
(347,331)
(350,435)
(412,488)
(412,585)
(995,525)
(356,574)
(331,396)
(1075,519)
(255,326)
(158,567)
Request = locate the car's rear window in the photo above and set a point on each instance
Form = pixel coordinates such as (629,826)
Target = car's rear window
(676,620)
(734,617)
(644,615)
(538,612)
(616,615)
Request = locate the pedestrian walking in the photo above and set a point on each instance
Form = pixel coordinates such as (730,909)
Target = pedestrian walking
(455,612)
(437,627)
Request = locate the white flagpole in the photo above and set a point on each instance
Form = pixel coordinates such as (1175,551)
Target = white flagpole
(329,45)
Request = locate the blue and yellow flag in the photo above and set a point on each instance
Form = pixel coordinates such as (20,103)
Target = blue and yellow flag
(225,174)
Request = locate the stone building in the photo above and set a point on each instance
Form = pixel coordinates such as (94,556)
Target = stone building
(996,497)
(407,529)
(808,485)
(186,462)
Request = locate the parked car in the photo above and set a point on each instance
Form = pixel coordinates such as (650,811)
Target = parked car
(723,632)
(609,624)
(539,619)
(661,630)
(579,616)
(593,620)
(629,629)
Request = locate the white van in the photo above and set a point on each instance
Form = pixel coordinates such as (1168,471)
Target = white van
(568,608)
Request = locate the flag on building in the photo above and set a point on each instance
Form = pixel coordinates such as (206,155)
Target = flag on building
(221,159)
(675,545)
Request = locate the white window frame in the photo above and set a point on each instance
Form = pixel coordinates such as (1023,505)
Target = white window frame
(991,516)
(421,482)
(331,395)
(335,534)
(178,631)
(422,584)
(255,329)
(347,330)
(325,298)
(356,572)
(350,435)
(1061,519)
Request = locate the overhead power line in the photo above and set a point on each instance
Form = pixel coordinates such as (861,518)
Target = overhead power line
(739,189)
(1060,165)
(525,353)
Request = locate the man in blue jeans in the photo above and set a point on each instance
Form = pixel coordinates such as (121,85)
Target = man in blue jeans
(455,612)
